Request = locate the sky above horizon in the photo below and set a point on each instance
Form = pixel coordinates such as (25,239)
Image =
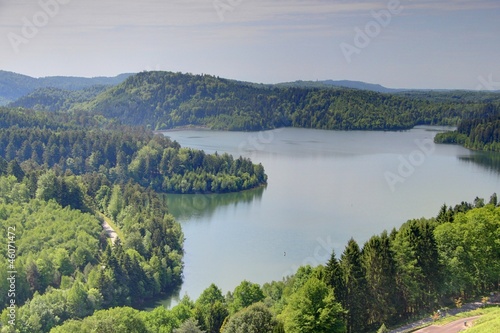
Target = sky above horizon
(435,44)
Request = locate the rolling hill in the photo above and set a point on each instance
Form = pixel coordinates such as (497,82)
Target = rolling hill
(14,86)
(164,100)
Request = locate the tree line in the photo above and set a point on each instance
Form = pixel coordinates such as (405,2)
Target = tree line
(56,99)
(479,133)
(163,100)
(419,268)
(125,153)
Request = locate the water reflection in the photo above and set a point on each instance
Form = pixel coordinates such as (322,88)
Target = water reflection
(488,161)
(321,183)
(193,206)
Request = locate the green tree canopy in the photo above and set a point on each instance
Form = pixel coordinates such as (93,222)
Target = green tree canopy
(313,309)
(257,318)
(244,295)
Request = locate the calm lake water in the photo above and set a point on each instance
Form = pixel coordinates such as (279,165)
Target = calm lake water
(324,188)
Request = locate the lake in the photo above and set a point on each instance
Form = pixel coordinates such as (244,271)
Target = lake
(324,188)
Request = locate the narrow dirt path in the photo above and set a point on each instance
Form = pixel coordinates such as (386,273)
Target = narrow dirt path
(453,327)
(109,230)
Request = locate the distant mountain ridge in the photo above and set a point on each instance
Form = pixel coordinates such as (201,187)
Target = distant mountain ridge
(14,85)
(56,99)
(164,100)
(342,84)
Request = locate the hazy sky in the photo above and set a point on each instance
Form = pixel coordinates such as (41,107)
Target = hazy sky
(412,43)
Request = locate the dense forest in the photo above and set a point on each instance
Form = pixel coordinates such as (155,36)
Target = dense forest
(423,266)
(163,100)
(62,175)
(479,133)
(65,266)
(56,99)
(123,153)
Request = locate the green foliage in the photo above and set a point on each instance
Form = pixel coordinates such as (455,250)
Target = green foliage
(334,277)
(210,309)
(380,268)
(121,154)
(245,295)
(115,202)
(166,100)
(424,265)
(256,318)
(62,248)
(452,137)
(184,309)
(402,274)
(13,85)
(489,323)
(355,288)
(160,320)
(313,309)
(116,320)
(468,250)
(46,235)
(56,99)
(383,329)
(189,326)
(418,269)
(479,133)
(12,191)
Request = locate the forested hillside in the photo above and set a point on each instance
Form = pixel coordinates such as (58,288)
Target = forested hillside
(480,133)
(61,176)
(122,154)
(64,266)
(55,99)
(14,86)
(163,100)
(423,266)
(342,83)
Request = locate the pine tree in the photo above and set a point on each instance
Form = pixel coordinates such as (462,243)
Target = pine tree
(380,270)
(417,265)
(355,288)
(334,278)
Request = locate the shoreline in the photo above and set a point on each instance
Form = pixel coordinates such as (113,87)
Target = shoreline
(184,128)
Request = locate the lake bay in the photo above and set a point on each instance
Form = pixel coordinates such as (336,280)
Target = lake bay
(324,187)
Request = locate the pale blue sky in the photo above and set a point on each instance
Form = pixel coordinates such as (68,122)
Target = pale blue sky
(423,44)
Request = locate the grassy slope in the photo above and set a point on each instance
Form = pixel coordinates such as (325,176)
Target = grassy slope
(489,322)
